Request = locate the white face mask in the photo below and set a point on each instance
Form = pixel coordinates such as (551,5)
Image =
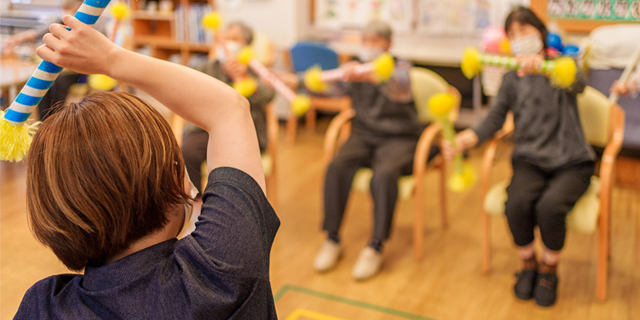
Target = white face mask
(369,54)
(530,44)
(233,48)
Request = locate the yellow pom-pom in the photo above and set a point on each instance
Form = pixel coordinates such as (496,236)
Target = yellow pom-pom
(383,66)
(300,105)
(245,55)
(246,87)
(313,80)
(101,82)
(564,73)
(469,175)
(456,183)
(440,104)
(15,139)
(211,21)
(470,62)
(120,11)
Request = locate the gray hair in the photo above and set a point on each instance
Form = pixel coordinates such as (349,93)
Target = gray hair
(379,28)
(247,32)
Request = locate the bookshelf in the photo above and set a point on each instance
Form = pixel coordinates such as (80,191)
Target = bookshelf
(175,32)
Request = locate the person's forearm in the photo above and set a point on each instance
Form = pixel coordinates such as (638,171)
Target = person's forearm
(203,100)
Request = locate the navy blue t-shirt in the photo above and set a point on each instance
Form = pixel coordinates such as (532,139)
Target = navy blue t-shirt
(220,271)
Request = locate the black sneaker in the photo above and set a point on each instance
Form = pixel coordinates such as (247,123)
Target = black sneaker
(546,289)
(525,284)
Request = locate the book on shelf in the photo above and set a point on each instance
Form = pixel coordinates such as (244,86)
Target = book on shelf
(188,24)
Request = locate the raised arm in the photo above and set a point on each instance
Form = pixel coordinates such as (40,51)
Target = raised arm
(200,99)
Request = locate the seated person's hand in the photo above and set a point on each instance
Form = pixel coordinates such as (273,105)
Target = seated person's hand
(622,89)
(351,76)
(81,49)
(235,69)
(464,140)
(529,64)
(290,79)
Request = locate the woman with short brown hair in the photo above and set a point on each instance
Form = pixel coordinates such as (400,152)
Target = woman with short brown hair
(107,193)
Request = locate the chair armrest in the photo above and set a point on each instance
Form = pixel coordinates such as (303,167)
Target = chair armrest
(333,131)
(609,156)
(421,157)
(272,131)
(489,155)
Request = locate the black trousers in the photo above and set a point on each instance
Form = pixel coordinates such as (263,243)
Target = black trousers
(57,94)
(544,198)
(389,157)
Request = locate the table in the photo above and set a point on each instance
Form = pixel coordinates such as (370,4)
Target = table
(14,74)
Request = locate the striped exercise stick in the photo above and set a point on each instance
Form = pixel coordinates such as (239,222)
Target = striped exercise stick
(299,103)
(316,80)
(15,137)
(562,71)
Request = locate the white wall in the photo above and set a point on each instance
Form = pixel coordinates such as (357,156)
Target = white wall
(278,19)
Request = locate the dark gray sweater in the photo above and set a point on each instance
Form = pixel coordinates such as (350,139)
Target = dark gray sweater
(547,131)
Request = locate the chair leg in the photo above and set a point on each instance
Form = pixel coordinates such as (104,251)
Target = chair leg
(603,259)
(486,242)
(443,194)
(418,223)
(311,119)
(292,128)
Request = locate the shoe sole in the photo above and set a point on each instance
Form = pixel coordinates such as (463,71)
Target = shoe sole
(545,303)
(523,297)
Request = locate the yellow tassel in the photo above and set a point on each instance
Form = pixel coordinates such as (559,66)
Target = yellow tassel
(101,82)
(245,55)
(470,62)
(212,21)
(441,104)
(564,72)
(300,105)
(384,66)
(313,80)
(15,139)
(246,87)
(120,11)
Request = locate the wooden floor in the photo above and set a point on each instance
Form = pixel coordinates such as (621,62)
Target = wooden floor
(446,284)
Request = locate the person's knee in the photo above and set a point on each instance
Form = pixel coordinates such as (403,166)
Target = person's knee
(385,175)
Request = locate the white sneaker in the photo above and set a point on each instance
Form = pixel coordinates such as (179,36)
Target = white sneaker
(368,265)
(328,256)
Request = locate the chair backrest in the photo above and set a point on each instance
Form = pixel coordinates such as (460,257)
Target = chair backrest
(424,84)
(305,55)
(594,109)
(263,48)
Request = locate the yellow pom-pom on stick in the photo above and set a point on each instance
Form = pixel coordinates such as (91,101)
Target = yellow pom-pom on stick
(562,71)
(245,55)
(441,104)
(246,87)
(300,105)
(464,176)
(382,67)
(313,80)
(120,11)
(101,82)
(15,139)
(211,21)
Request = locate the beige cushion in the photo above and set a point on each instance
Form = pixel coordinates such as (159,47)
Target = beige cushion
(583,217)
(424,84)
(362,182)
(594,108)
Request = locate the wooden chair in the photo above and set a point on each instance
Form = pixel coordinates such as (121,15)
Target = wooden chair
(269,157)
(603,125)
(424,83)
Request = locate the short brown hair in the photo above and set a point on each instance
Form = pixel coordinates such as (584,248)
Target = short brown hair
(101,174)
